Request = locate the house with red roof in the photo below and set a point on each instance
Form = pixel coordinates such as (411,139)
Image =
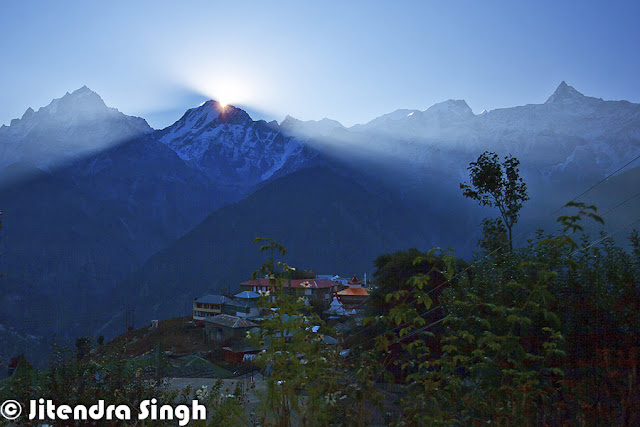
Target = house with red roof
(316,290)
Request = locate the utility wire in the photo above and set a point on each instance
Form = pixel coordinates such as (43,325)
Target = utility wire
(619,230)
(539,221)
(424,328)
(620,204)
(600,182)
(528,229)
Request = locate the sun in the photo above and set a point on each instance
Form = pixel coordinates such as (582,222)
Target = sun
(228,88)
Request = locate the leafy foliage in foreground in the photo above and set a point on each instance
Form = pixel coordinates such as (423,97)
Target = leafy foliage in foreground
(546,334)
(117,380)
(302,379)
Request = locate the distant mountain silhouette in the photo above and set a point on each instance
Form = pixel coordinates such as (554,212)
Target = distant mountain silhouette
(95,201)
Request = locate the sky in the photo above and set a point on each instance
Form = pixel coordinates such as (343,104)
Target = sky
(350,61)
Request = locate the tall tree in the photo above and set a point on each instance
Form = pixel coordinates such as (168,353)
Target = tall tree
(498,185)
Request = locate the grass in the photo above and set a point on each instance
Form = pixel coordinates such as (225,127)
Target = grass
(175,335)
(178,336)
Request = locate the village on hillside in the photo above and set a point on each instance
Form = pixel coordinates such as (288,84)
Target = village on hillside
(226,319)
(213,341)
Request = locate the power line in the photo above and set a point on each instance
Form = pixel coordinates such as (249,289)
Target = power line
(539,221)
(560,208)
(417,331)
(402,326)
(620,204)
(619,230)
(505,244)
(601,181)
(424,328)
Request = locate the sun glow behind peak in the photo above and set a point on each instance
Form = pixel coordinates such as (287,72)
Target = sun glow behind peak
(225,88)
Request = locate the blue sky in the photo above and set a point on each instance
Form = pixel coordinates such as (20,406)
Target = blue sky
(350,61)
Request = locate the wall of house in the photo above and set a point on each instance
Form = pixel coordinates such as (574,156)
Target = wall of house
(222,334)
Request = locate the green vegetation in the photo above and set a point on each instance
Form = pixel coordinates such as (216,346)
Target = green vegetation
(545,334)
(300,366)
(498,185)
(114,376)
(542,335)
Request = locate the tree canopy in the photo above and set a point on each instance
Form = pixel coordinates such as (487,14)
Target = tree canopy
(498,185)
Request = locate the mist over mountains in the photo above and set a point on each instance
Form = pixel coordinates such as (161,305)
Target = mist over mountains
(101,212)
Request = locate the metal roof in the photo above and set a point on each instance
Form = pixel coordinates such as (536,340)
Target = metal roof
(247,295)
(230,321)
(298,283)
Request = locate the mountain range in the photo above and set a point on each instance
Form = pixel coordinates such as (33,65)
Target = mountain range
(103,213)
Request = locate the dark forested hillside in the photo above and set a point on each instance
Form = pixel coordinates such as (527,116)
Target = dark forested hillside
(328,223)
(71,234)
(74,235)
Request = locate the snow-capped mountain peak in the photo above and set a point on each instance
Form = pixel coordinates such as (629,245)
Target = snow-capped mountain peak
(82,106)
(75,124)
(208,114)
(565,93)
(81,103)
(226,144)
(289,121)
(196,118)
(395,115)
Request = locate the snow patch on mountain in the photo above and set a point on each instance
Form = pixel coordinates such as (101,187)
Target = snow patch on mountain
(77,124)
(570,131)
(192,121)
(231,148)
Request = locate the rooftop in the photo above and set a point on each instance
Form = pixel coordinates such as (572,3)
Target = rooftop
(241,347)
(355,281)
(300,283)
(230,321)
(355,291)
(247,295)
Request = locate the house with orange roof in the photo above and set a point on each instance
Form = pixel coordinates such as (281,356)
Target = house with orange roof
(354,296)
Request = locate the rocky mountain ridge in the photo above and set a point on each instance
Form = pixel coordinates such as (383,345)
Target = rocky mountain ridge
(106,192)
(75,125)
